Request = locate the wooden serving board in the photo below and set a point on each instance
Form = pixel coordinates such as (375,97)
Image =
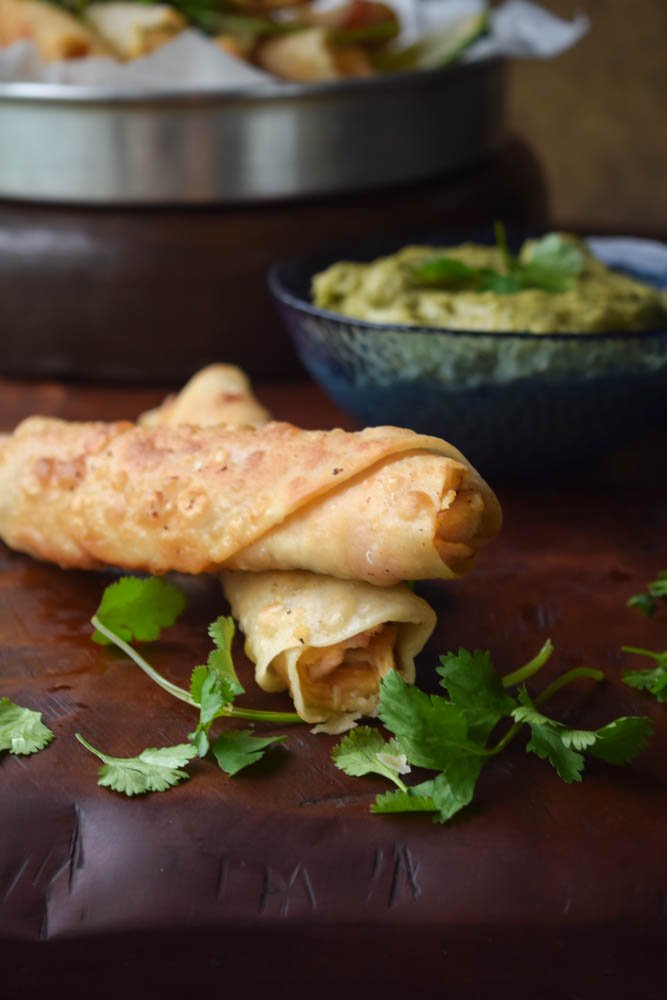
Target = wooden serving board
(280,879)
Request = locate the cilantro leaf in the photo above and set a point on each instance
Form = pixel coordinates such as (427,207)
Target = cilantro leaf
(556,255)
(153,770)
(529,714)
(214,687)
(449,735)
(446,272)
(364,751)
(644,603)
(399,801)
(621,740)
(550,265)
(222,632)
(137,608)
(547,742)
(21,729)
(655,680)
(199,675)
(578,739)
(647,602)
(474,685)
(212,698)
(430,729)
(446,794)
(454,788)
(550,740)
(239,748)
(617,743)
(207,690)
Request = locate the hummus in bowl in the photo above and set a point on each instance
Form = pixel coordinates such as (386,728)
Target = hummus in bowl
(404,288)
(515,399)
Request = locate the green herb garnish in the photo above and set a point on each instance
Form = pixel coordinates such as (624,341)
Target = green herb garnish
(138,609)
(21,729)
(554,263)
(450,734)
(153,770)
(648,601)
(239,748)
(654,680)
(134,608)
(365,751)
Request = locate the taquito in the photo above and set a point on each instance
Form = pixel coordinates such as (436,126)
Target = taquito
(382,505)
(217,394)
(55,32)
(325,640)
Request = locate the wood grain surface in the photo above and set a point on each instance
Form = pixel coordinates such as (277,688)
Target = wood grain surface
(280,879)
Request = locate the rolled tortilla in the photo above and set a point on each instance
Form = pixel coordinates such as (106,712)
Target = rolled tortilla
(218,394)
(327,641)
(55,33)
(131,29)
(381,505)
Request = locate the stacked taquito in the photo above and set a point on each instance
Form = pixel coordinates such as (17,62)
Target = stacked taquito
(374,507)
(327,641)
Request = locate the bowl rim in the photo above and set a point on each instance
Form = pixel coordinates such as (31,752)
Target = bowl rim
(270,90)
(282,294)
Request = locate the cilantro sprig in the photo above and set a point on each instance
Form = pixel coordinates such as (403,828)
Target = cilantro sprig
(553,264)
(138,609)
(22,731)
(153,770)
(654,679)
(451,734)
(648,601)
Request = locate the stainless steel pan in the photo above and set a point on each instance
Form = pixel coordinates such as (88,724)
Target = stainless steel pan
(76,144)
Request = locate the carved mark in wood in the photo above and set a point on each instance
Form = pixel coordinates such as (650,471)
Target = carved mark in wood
(395,875)
(278,891)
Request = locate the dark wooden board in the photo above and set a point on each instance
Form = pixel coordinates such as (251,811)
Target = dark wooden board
(280,878)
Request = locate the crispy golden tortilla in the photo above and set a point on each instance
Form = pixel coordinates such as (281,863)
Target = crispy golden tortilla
(327,641)
(381,505)
(55,33)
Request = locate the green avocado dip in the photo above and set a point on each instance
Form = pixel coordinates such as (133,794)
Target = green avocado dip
(554,285)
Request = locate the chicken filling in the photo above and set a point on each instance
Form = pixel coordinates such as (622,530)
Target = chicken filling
(345,676)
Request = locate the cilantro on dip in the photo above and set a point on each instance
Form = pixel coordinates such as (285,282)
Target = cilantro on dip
(554,285)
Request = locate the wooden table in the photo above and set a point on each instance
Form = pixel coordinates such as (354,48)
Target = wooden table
(280,879)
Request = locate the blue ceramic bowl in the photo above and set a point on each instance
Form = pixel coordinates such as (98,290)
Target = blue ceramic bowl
(514,403)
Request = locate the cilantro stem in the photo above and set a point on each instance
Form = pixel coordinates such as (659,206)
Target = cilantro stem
(173,689)
(257,715)
(567,678)
(228,711)
(560,682)
(643,652)
(507,738)
(501,242)
(530,668)
(98,753)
